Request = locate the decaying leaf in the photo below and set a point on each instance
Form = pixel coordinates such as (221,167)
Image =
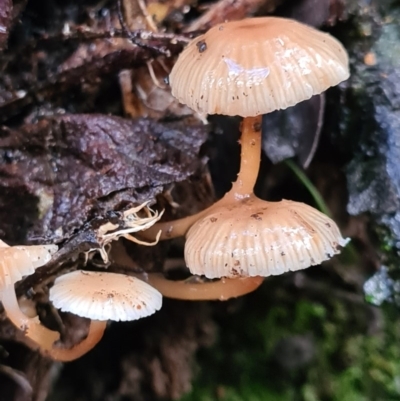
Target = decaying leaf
(74,168)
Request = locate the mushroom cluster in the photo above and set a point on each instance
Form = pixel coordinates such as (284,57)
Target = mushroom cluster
(245,68)
(249,68)
(97,296)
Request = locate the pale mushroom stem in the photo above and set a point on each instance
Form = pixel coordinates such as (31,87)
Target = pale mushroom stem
(95,334)
(241,188)
(221,290)
(250,156)
(33,329)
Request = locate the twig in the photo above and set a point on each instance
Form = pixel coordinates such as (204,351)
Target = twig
(139,36)
(86,35)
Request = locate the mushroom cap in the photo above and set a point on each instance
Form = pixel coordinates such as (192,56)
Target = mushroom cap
(105,296)
(258,238)
(256,66)
(19,261)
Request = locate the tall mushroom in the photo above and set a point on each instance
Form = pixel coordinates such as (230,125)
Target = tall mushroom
(100,297)
(250,68)
(15,263)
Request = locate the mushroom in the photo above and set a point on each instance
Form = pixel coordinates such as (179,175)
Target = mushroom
(15,263)
(100,297)
(249,68)
(258,238)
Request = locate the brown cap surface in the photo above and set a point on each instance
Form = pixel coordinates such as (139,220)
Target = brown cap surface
(105,296)
(258,238)
(19,261)
(256,66)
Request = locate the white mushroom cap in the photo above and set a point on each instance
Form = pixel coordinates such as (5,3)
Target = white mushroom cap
(105,296)
(257,65)
(259,238)
(19,261)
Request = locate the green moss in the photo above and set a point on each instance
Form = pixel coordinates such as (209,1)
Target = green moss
(346,364)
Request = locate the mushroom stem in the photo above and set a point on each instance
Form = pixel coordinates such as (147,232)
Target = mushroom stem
(32,327)
(190,290)
(241,188)
(249,161)
(95,334)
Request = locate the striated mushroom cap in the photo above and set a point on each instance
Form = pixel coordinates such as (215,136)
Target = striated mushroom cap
(105,296)
(258,238)
(19,261)
(256,66)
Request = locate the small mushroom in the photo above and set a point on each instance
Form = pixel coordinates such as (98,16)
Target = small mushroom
(15,263)
(249,68)
(100,297)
